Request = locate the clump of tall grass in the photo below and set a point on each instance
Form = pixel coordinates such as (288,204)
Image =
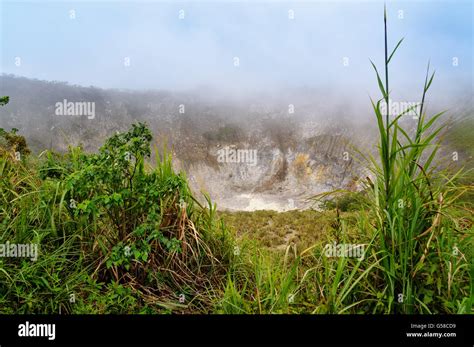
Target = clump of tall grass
(411,200)
(417,232)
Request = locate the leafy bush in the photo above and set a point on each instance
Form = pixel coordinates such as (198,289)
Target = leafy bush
(137,226)
(13,143)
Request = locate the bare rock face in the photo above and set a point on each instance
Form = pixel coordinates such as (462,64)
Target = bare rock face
(266,172)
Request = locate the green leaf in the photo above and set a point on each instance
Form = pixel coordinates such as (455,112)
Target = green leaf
(394,50)
(4,100)
(381,87)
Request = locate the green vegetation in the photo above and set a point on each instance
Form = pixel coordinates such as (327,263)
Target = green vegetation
(461,135)
(460,139)
(119,235)
(410,200)
(10,142)
(106,222)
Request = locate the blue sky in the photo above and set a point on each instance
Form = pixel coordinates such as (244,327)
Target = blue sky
(274,51)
